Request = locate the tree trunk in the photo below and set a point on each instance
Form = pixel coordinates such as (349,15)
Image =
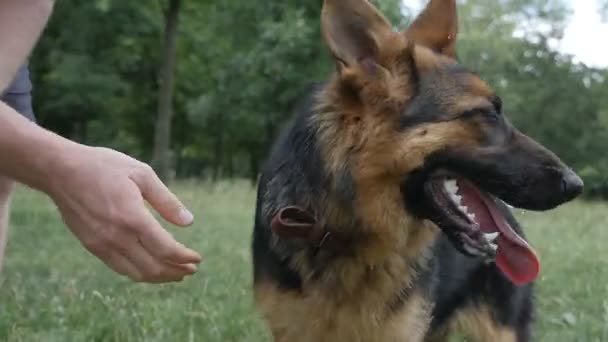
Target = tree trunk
(230,166)
(80,130)
(254,166)
(218,160)
(162,139)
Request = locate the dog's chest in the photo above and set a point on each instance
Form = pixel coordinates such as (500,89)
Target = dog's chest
(407,324)
(384,304)
(293,318)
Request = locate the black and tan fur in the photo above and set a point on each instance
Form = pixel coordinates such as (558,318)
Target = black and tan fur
(353,156)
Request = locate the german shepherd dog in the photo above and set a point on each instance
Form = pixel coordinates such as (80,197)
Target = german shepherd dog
(381,213)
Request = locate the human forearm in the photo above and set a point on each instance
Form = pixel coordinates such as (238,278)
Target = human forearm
(29,153)
(100,194)
(21,22)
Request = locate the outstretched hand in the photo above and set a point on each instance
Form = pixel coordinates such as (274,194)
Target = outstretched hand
(101,195)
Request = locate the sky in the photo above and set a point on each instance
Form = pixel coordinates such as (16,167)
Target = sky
(586,36)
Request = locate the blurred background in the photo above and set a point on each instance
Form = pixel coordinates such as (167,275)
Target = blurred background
(103,71)
(201,88)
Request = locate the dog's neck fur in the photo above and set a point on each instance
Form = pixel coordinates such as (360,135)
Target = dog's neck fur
(388,243)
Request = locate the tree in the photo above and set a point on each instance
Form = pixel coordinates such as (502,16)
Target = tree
(244,65)
(162,141)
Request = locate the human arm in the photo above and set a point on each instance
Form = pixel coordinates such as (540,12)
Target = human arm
(21,23)
(100,194)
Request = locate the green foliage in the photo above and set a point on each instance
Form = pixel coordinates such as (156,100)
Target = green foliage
(243,65)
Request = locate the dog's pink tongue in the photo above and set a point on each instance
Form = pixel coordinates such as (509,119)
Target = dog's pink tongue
(515,257)
(521,265)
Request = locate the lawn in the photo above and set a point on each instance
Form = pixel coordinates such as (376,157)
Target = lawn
(52,290)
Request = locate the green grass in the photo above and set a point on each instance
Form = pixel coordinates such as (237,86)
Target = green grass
(52,290)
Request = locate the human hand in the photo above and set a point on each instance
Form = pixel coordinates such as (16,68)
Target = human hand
(100,194)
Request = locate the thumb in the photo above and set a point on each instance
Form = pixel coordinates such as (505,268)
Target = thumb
(161,198)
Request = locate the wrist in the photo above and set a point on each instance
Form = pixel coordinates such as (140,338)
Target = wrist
(56,163)
(32,155)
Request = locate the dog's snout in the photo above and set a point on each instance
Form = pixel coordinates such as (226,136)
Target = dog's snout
(572,184)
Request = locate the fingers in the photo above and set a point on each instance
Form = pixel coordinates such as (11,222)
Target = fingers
(141,267)
(153,270)
(129,258)
(121,265)
(161,198)
(161,245)
(142,250)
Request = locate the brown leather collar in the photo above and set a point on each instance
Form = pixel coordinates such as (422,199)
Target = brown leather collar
(295,223)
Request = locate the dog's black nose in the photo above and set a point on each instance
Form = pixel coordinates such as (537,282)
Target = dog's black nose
(572,184)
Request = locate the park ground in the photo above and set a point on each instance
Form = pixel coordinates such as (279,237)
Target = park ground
(51,290)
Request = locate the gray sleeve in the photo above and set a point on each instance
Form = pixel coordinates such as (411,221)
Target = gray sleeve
(19,94)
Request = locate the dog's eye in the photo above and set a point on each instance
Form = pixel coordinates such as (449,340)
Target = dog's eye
(497,103)
(493,115)
(488,113)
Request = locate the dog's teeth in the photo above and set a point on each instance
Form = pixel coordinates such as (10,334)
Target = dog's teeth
(471,250)
(456,198)
(472,217)
(451,186)
(491,237)
(508,205)
(494,247)
(464,209)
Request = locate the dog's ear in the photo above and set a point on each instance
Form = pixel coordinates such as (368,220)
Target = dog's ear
(294,222)
(354,31)
(436,27)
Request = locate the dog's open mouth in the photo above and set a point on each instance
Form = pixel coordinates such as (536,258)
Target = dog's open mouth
(477,227)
